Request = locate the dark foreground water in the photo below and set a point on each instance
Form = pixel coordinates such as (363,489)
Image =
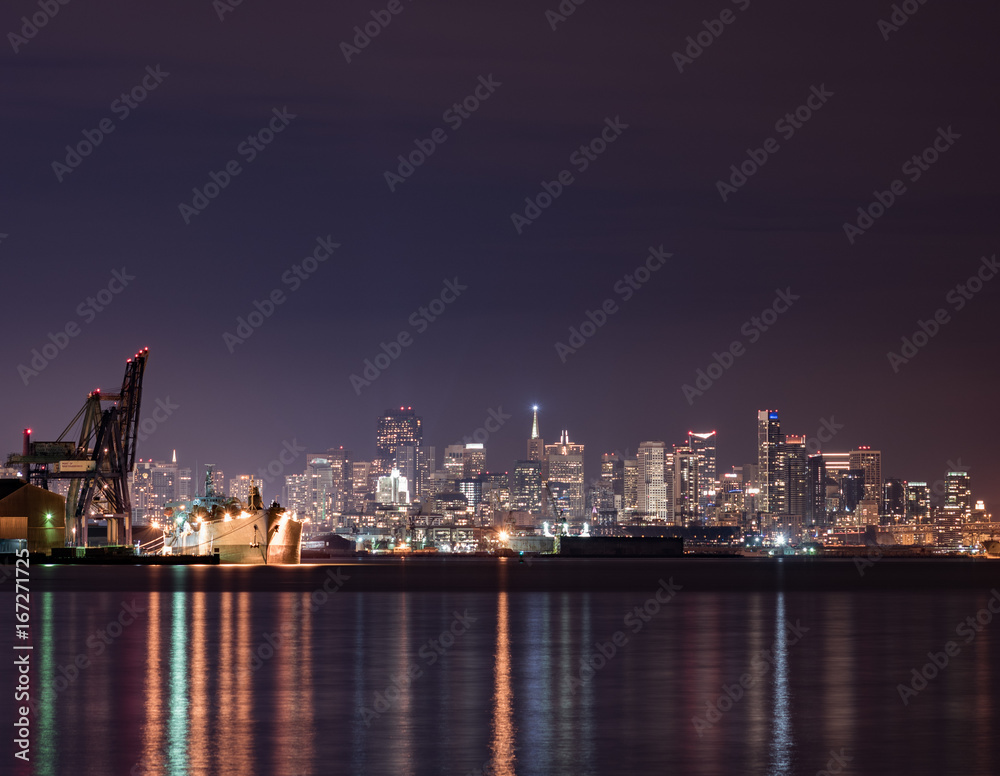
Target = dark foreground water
(262,671)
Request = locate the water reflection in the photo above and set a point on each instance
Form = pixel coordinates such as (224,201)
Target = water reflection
(177,746)
(502,747)
(781,735)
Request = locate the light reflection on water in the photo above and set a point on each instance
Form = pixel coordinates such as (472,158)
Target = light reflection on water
(180,692)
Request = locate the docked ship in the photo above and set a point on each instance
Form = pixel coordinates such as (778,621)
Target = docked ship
(239,533)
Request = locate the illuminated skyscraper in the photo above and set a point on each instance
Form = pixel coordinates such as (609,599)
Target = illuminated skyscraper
(703,446)
(770,463)
(918,503)
(536,445)
(526,488)
(796,475)
(958,495)
(473,460)
(565,462)
(686,488)
(870,462)
(651,485)
(396,428)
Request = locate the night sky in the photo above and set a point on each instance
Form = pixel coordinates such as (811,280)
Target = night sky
(71,225)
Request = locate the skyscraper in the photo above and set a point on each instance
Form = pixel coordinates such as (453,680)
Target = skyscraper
(536,445)
(396,428)
(958,495)
(565,462)
(686,488)
(770,463)
(815,510)
(796,475)
(473,460)
(918,503)
(526,488)
(870,462)
(703,445)
(651,486)
(454,462)
(239,487)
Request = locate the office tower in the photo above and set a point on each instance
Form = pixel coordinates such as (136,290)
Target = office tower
(239,487)
(893,501)
(565,461)
(526,488)
(651,486)
(918,503)
(393,489)
(426,466)
(361,477)
(454,462)
(152,485)
(796,486)
(703,445)
(407,457)
(958,495)
(630,485)
(319,468)
(395,428)
(340,476)
(852,485)
(815,506)
(870,462)
(686,489)
(472,489)
(610,489)
(770,463)
(298,494)
(473,460)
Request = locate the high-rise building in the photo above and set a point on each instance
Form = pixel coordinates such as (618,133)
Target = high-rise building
(815,507)
(473,460)
(152,484)
(703,445)
(918,503)
(426,466)
(298,494)
(393,489)
(565,462)
(651,485)
(340,475)
(454,462)
(407,461)
(630,485)
(870,462)
(472,489)
(536,445)
(796,475)
(686,487)
(395,428)
(893,501)
(239,487)
(526,488)
(852,485)
(214,478)
(319,468)
(770,463)
(362,473)
(610,488)
(958,495)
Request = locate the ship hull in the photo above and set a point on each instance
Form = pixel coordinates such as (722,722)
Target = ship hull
(264,537)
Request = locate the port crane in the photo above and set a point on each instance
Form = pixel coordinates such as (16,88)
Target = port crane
(97,463)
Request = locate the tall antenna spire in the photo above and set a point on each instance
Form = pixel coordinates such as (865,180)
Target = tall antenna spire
(534,423)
